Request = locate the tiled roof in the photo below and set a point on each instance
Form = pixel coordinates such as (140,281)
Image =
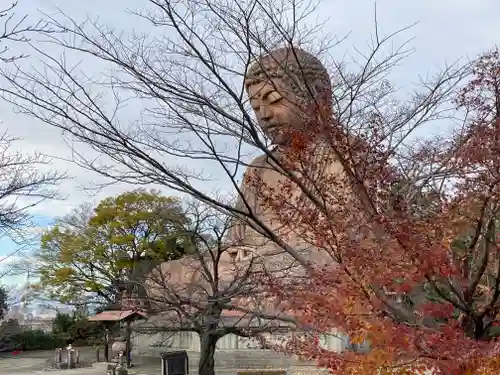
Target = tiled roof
(116,315)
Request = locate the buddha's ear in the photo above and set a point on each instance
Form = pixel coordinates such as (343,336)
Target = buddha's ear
(324,112)
(247,86)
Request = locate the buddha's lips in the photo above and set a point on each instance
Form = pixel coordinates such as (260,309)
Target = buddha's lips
(269,127)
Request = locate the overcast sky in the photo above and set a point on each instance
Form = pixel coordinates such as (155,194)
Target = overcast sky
(446,31)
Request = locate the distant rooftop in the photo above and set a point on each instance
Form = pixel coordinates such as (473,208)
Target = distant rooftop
(116,315)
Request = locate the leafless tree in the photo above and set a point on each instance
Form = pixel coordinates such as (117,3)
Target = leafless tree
(17,29)
(187,78)
(22,185)
(208,293)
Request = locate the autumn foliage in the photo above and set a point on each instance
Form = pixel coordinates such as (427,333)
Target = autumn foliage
(417,262)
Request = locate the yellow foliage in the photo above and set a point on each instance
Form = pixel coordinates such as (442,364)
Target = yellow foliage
(489,367)
(64,273)
(359,338)
(108,240)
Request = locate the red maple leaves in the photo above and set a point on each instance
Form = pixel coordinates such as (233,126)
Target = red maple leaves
(414,268)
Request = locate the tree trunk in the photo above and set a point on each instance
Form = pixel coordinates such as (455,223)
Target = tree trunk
(206,366)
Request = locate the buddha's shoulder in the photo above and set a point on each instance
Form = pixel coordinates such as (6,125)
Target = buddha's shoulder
(260,161)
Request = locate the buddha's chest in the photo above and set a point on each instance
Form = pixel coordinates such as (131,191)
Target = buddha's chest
(274,194)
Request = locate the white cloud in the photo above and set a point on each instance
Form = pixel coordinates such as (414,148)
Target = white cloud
(15,277)
(8,260)
(447,30)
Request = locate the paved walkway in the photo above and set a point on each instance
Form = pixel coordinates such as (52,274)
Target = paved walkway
(39,362)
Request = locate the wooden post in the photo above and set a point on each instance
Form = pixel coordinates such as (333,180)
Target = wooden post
(127,343)
(106,343)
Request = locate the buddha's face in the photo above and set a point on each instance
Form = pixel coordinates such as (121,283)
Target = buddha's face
(276,110)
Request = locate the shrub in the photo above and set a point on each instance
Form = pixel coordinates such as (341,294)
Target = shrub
(63,323)
(34,340)
(73,330)
(66,330)
(85,330)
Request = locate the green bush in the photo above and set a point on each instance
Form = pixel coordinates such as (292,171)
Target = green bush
(67,329)
(77,330)
(81,342)
(63,323)
(34,340)
(85,330)
(9,327)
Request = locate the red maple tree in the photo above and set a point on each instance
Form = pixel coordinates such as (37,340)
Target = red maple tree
(416,272)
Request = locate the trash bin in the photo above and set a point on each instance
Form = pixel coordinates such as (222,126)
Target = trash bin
(175,363)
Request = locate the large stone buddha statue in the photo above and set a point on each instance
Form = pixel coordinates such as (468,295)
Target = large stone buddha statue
(282,87)
(285,89)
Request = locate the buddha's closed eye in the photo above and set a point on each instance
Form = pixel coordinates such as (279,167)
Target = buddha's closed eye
(273,97)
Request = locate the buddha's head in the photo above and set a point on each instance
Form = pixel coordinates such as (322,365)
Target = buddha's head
(284,87)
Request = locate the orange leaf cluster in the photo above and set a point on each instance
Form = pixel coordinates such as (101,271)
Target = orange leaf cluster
(414,268)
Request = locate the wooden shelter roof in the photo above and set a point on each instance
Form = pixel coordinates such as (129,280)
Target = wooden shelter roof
(117,315)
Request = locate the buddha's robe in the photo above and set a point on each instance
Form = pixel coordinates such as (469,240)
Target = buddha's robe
(186,275)
(247,242)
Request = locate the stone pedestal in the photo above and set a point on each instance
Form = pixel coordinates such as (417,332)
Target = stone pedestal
(119,345)
(66,358)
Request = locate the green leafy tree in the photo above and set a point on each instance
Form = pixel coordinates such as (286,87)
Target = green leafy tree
(93,256)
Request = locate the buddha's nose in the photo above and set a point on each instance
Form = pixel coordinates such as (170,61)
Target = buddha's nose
(265,113)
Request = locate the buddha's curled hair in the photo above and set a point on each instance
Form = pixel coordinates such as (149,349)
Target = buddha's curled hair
(301,71)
